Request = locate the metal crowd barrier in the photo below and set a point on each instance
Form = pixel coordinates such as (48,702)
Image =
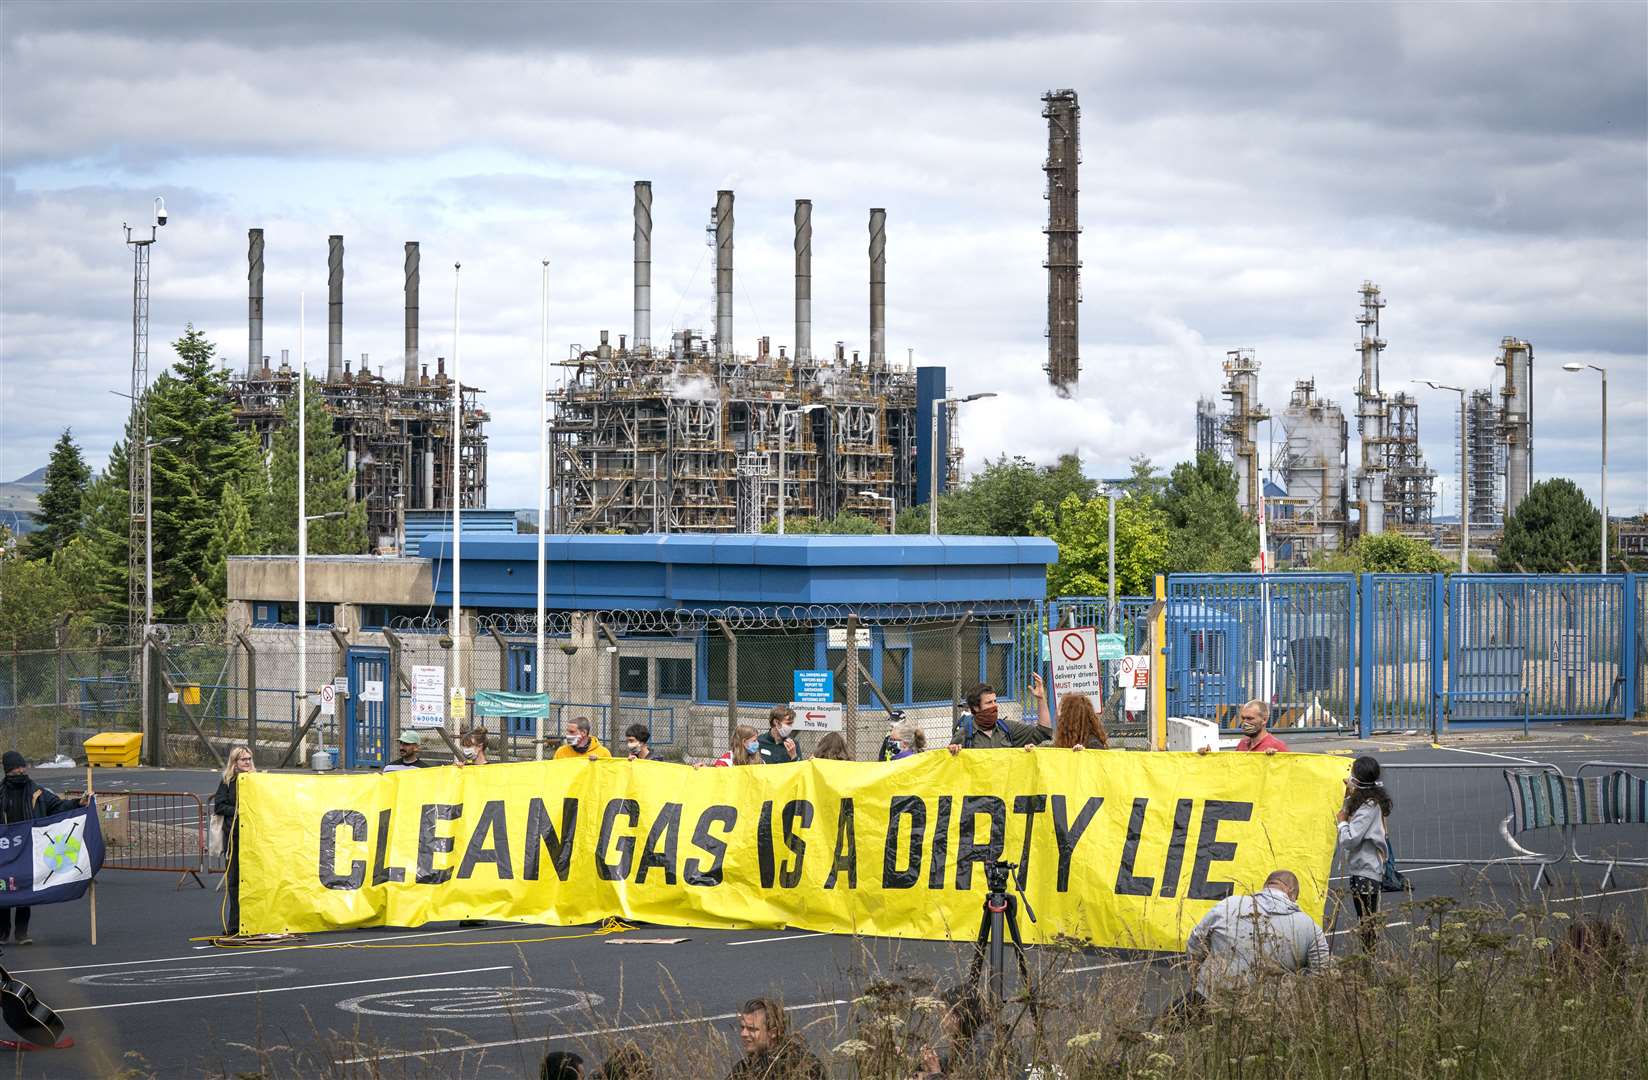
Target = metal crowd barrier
(1457,815)
(157,831)
(1623,844)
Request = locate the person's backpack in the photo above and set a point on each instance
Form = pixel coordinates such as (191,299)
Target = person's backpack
(1392,881)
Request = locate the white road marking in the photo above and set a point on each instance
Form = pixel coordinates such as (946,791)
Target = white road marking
(284,989)
(1118,963)
(401,1055)
(1486,753)
(1597,895)
(1409,870)
(252,950)
(786,937)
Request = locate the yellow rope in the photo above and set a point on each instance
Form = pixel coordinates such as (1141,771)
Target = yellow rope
(610,926)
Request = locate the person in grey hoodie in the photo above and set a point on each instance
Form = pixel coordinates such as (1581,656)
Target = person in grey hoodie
(1362,836)
(1243,936)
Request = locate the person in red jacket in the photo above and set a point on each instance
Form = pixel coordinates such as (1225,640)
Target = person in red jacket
(1255,718)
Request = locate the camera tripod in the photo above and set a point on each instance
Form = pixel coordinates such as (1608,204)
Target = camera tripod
(998,921)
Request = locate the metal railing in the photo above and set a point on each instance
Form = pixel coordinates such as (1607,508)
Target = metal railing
(156,831)
(1613,845)
(1457,815)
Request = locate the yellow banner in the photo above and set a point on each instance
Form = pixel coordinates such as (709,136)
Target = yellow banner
(1115,848)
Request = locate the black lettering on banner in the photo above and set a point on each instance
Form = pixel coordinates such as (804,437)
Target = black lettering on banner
(1127,883)
(795,809)
(1027,806)
(381,874)
(494,825)
(968,849)
(1175,848)
(1069,834)
(846,848)
(764,845)
(618,871)
(941,844)
(1210,849)
(694,872)
(430,845)
(901,807)
(663,845)
(330,823)
(540,829)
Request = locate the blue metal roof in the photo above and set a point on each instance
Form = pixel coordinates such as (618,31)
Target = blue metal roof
(661,572)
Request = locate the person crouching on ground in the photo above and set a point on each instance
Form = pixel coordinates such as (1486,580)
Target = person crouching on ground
(778,746)
(581,742)
(1362,836)
(1242,937)
(771,1050)
(21,799)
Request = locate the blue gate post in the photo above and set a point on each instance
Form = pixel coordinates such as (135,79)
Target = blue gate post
(1365,632)
(1628,647)
(1439,649)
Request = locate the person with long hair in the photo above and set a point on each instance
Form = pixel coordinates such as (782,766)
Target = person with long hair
(1362,836)
(832,747)
(1079,726)
(225,804)
(746,748)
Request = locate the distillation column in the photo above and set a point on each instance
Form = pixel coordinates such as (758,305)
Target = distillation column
(642,338)
(878,289)
(254,302)
(1370,415)
(803,281)
(723,274)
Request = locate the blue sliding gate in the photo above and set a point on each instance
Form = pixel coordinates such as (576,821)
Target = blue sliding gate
(1402,621)
(366,723)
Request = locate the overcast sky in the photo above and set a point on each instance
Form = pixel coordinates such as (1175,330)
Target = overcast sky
(1245,168)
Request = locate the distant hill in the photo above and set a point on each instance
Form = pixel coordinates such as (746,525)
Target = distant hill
(20,501)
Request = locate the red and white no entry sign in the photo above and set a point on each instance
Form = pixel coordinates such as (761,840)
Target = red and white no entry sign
(1072,646)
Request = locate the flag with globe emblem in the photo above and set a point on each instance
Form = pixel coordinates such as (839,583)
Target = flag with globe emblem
(50,859)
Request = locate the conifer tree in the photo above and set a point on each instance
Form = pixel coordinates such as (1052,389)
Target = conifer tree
(327,490)
(61,513)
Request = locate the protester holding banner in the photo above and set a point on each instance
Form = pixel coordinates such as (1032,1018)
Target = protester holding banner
(778,745)
(581,742)
(1079,726)
(410,742)
(982,728)
(832,747)
(746,748)
(638,740)
(225,807)
(908,737)
(472,747)
(24,800)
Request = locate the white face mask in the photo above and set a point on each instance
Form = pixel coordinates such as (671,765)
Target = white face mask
(784,730)
(469,752)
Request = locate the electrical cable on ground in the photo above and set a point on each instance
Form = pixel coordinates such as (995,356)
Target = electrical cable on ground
(608,927)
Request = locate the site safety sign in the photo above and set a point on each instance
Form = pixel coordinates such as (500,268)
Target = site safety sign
(1075,655)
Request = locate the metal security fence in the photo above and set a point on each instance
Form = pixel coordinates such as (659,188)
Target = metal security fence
(54,694)
(1231,636)
(1456,815)
(1401,624)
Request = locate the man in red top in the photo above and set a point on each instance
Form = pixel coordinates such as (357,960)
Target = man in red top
(1254,718)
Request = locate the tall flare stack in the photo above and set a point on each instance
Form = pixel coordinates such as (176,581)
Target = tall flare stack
(1372,414)
(334,308)
(410,376)
(723,274)
(1063,229)
(254,302)
(642,338)
(1516,418)
(803,281)
(878,289)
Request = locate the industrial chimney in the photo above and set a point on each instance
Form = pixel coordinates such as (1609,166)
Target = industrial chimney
(334,308)
(254,302)
(410,377)
(643,265)
(803,281)
(723,274)
(1516,418)
(1063,115)
(878,289)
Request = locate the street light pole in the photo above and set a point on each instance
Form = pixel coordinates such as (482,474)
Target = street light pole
(1110,548)
(1603,562)
(543,490)
(892,507)
(934,455)
(1464,477)
(303,536)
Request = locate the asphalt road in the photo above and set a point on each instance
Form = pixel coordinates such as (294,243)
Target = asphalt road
(444,1000)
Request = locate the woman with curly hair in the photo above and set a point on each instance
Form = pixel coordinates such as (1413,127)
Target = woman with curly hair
(1079,726)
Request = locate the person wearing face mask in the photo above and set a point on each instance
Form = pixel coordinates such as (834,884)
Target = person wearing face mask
(21,799)
(778,746)
(746,749)
(638,741)
(581,742)
(982,727)
(472,747)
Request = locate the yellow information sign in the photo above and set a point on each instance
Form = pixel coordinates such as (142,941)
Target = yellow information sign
(1115,848)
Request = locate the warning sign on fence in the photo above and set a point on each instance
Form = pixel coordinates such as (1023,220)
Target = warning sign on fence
(1075,655)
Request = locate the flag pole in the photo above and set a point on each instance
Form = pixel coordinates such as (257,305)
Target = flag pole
(93,889)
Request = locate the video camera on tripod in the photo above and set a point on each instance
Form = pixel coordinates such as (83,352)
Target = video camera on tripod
(999,920)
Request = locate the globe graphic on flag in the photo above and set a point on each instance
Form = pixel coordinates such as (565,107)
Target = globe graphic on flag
(62,853)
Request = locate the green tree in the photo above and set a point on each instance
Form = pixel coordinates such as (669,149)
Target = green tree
(190,404)
(1000,499)
(32,599)
(61,514)
(1555,528)
(233,535)
(1081,529)
(1386,553)
(1144,481)
(326,466)
(1207,530)
(843,524)
(107,532)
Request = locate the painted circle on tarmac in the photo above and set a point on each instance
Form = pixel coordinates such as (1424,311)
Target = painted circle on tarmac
(185,976)
(473,1002)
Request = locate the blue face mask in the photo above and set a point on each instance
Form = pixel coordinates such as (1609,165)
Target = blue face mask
(752,746)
